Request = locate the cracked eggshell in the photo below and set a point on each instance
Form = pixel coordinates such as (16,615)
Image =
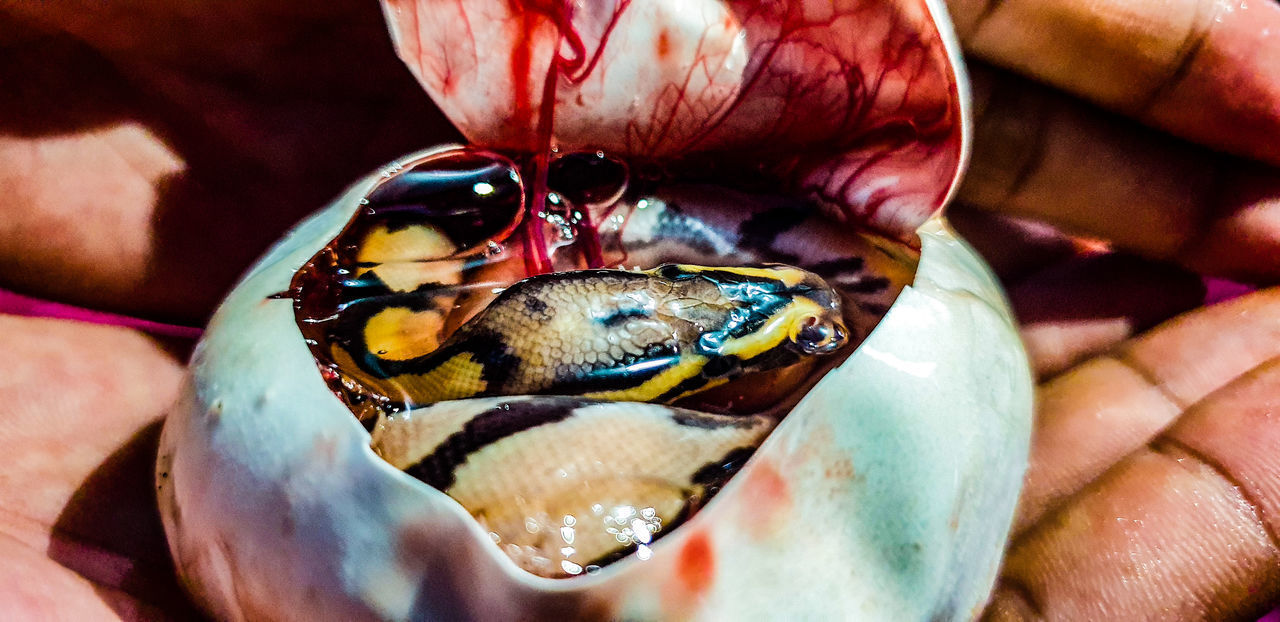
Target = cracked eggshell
(887,493)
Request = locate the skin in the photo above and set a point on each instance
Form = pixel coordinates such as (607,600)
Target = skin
(1152,491)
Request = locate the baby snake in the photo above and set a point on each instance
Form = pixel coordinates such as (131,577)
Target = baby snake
(545,414)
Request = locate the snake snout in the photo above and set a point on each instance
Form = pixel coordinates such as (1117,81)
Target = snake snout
(817,335)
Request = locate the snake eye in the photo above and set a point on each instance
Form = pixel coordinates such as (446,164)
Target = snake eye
(818,336)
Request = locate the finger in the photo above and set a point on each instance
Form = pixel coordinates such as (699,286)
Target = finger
(1206,70)
(144,162)
(33,587)
(1185,528)
(1040,155)
(1083,306)
(80,406)
(1095,414)
(1072,300)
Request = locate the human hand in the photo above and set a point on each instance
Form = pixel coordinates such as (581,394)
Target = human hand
(1153,491)
(149,151)
(240,122)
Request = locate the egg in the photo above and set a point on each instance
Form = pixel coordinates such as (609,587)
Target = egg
(886,493)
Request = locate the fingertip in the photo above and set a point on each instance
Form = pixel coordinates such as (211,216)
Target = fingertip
(1085,305)
(1242,239)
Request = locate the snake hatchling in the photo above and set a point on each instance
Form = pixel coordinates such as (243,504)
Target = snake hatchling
(546,413)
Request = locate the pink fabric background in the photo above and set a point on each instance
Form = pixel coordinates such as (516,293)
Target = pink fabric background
(15,304)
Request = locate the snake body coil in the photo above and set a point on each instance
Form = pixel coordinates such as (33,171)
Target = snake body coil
(530,413)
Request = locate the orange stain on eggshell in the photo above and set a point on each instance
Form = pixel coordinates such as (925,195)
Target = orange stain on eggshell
(696,566)
(767,500)
(840,469)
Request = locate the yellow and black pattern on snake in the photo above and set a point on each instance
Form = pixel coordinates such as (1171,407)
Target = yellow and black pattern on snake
(652,336)
(434,242)
(717,226)
(582,482)
(424,229)
(565,484)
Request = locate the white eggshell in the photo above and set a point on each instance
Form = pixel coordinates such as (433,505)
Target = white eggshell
(885,495)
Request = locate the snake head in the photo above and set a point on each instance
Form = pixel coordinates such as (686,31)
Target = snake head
(756,317)
(815,319)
